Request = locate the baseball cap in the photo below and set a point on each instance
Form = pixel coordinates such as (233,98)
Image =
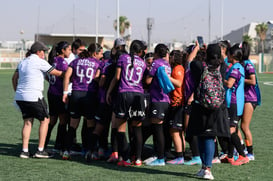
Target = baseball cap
(119,42)
(38,46)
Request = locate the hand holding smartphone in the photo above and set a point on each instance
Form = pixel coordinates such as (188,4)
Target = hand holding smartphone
(200,41)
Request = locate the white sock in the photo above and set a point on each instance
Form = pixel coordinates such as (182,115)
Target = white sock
(25,149)
(40,149)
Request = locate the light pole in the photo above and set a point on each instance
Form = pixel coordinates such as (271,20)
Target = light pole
(22,47)
(97,20)
(117,18)
(150,22)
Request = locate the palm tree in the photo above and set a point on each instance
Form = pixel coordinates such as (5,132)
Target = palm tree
(123,25)
(261,30)
(247,38)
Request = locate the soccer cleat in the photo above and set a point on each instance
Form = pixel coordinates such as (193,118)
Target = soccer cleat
(196,160)
(216,160)
(113,157)
(240,161)
(177,161)
(137,163)
(227,160)
(157,162)
(150,159)
(123,163)
(207,175)
(200,173)
(250,156)
(66,155)
(24,154)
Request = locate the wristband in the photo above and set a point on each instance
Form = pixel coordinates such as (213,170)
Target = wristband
(65,92)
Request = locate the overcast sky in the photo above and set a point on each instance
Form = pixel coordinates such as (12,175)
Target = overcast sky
(180,20)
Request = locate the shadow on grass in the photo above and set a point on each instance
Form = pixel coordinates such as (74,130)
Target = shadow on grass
(15,149)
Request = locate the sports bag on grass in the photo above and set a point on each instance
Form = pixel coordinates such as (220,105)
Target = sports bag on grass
(210,91)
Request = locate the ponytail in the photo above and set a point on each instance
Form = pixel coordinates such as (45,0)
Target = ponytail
(57,50)
(136,47)
(52,54)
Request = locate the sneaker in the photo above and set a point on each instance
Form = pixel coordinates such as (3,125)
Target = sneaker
(227,160)
(66,155)
(250,156)
(177,161)
(157,162)
(207,175)
(216,160)
(200,173)
(113,157)
(240,161)
(150,159)
(123,163)
(24,154)
(43,154)
(137,163)
(196,160)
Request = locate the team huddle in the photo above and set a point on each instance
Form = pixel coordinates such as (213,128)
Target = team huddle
(200,95)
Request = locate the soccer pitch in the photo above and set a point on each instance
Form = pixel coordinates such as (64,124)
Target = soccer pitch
(14,168)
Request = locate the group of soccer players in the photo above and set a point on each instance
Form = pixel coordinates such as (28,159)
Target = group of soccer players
(130,90)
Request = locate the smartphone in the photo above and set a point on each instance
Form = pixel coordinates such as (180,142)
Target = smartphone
(200,41)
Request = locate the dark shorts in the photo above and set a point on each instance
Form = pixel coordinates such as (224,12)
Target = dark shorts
(254,104)
(104,114)
(83,103)
(175,117)
(158,110)
(56,105)
(130,105)
(36,110)
(232,116)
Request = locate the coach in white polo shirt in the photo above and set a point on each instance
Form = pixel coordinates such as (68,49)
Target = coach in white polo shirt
(29,96)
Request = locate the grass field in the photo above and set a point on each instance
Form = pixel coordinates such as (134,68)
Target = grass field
(14,168)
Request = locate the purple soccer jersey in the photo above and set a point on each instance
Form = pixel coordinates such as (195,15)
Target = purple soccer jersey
(250,92)
(84,71)
(235,73)
(131,78)
(56,83)
(156,92)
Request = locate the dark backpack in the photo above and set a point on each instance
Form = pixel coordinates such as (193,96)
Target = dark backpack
(210,91)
